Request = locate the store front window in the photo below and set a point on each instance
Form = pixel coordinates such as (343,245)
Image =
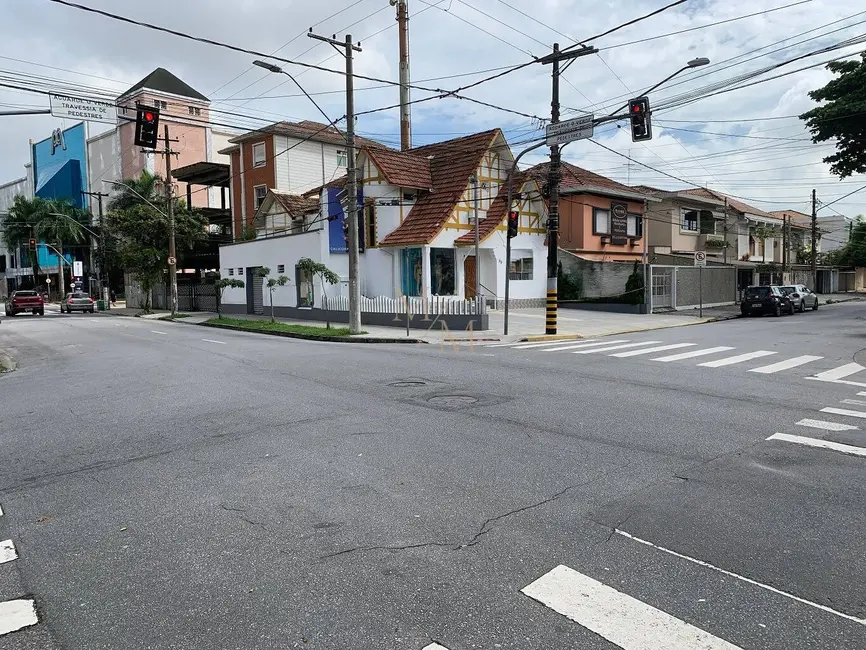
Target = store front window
(410,271)
(442,271)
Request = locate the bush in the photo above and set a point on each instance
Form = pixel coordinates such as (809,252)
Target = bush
(569,287)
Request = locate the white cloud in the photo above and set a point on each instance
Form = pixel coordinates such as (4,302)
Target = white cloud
(446,39)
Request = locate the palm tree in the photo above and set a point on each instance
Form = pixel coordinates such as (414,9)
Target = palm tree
(20,225)
(137,191)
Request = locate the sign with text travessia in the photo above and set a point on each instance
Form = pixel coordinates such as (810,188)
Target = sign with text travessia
(569,130)
(618,224)
(77,108)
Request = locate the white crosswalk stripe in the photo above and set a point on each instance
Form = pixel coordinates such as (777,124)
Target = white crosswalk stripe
(826,426)
(854,402)
(16,615)
(851,450)
(580,346)
(615,347)
(694,353)
(543,344)
(847,412)
(624,621)
(839,373)
(786,365)
(7,551)
(740,358)
(660,348)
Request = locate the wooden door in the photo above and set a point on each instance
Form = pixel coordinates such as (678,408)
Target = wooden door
(469,287)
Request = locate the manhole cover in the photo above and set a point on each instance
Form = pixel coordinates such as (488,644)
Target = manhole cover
(407,384)
(452,400)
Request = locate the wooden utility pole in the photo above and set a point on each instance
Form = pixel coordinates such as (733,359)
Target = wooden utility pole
(351,180)
(405,107)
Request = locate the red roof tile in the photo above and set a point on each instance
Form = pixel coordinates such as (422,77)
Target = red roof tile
(737,205)
(574,177)
(495,214)
(296,205)
(402,168)
(451,164)
(315,131)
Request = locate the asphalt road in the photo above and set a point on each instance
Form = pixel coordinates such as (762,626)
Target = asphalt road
(172,486)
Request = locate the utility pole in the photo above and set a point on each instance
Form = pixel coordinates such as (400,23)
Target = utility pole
(784,245)
(405,107)
(814,242)
(553,179)
(351,179)
(172,259)
(475,220)
(103,265)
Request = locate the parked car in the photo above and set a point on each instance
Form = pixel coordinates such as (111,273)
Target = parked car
(801,296)
(23,301)
(768,299)
(76,302)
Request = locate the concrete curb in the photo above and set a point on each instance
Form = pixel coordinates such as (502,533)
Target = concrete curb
(551,337)
(7,363)
(310,337)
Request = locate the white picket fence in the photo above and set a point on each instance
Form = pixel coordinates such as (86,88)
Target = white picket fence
(434,306)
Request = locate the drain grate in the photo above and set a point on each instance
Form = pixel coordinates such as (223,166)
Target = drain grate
(407,384)
(452,401)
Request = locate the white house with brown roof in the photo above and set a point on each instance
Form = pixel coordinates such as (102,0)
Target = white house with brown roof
(417,234)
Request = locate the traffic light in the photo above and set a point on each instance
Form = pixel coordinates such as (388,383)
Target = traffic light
(146,125)
(513,223)
(641,124)
(32,244)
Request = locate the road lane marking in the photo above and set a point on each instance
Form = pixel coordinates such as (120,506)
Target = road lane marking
(660,348)
(786,365)
(840,372)
(694,353)
(854,402)
(823,608)
(626,622)
(826,426)
(581,346)
(543,344)
(7,551)
(212,341)
(1,511)
(862,393)
(434,646)
(822,444)
(17,614)
(729,361)
(848,412)
(615,347)
(158,332)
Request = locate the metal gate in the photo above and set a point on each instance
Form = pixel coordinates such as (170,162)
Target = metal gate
(193,296)
(661,287)
(258,301)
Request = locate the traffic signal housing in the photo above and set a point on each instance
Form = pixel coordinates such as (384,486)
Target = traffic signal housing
(146,127)
(31,244)
(641,124)
(513,223)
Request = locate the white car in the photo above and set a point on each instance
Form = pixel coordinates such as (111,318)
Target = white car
(801,297)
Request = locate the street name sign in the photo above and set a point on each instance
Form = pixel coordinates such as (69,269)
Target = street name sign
(700,258)
(77,108)
(570,130)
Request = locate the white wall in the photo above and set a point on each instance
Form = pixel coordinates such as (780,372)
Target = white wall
(307,164)
(104,158)
(9,191)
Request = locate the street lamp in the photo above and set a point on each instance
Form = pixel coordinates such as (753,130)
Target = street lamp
(694,63)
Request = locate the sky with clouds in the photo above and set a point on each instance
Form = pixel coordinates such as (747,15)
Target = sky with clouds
(743,142)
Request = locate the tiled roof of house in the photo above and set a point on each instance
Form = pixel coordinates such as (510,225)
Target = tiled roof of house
(495,214)
(337,182)
(574,177)
(314,131)
(737,205)
(296,205)
(402,169)
(451,164)
(652,191)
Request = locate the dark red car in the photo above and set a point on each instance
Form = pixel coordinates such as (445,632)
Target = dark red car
(23,301)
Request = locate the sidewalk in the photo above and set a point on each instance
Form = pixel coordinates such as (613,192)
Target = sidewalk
(523,324)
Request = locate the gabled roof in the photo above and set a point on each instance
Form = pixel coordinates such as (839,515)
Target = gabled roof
(291,204)
(495,213)
(402,169)
(737,205)
(306,130)
(337,182)
(164,81)
(577,178)
(451,164)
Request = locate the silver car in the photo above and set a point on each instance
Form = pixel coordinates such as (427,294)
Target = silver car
(77,302)
(801,297)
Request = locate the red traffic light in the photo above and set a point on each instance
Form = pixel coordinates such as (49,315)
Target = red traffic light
(637,108)
(148,117)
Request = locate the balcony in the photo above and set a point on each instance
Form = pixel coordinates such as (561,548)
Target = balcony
(711,243)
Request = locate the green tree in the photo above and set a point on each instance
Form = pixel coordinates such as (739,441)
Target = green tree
(841,117)
(854,252)
(313,269)
(142,232)
(138,191)
(221,285)
(272,284)
(634,286)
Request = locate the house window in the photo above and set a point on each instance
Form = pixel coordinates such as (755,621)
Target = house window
(442,271)
(342,158)
(159,103)
(634,226)
(708,223)
(304,282)
(194,110)
(600,221)
(259,154)
(521,267)
(371,239)
(281,268)
(231,271)
(689,221)
(261,191)
(240,270)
